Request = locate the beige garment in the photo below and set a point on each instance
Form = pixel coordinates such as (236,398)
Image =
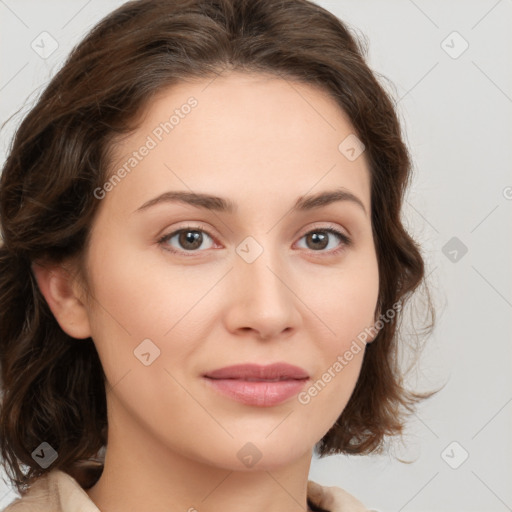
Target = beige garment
(57,491)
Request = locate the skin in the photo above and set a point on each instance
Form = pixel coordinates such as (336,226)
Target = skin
(261,142)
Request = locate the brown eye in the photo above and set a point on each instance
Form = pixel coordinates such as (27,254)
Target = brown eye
(319,239)
(188,239)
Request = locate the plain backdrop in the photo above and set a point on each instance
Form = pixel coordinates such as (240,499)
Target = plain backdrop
(447,65)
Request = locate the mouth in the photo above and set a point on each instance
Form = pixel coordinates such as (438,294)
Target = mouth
(255,385)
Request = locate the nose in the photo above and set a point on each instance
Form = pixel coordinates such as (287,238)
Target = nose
(262,298)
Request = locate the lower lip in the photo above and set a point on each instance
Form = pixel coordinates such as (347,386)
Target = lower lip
(260,393)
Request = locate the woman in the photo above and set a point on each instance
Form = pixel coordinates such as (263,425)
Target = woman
(203,266)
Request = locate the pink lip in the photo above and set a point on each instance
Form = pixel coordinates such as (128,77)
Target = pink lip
(253,384)
(256,371)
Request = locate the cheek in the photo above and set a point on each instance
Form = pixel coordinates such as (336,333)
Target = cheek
(346,310)
(346,303)
(136,301)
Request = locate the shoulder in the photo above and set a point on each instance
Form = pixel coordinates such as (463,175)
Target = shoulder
(333,499)
(40,497)
(55,491)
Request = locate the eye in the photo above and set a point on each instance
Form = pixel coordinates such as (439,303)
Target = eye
(189,238)
(319,239)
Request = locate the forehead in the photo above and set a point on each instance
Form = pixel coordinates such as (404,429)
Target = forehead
(255,132)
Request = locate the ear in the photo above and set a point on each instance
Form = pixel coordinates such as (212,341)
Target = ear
(63,297)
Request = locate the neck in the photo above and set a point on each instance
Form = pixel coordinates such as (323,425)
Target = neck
(150,476)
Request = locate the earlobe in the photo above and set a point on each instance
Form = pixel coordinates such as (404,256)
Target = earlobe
(61,294)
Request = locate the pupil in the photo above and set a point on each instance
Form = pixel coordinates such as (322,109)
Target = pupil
(318,238)
(191,237)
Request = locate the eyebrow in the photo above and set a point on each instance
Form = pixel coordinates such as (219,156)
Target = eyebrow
(220,204)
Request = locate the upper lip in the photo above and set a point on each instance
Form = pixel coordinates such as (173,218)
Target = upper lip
(279,371)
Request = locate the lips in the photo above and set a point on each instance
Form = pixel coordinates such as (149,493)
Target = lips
(254,372)
(256,385)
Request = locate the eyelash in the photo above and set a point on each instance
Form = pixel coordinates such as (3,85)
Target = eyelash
(346,241)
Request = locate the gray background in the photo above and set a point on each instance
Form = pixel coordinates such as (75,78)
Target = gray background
(455,104)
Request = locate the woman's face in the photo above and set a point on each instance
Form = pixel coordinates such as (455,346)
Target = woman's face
(261,282)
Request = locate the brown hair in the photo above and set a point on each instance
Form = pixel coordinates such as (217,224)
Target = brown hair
(54,387)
